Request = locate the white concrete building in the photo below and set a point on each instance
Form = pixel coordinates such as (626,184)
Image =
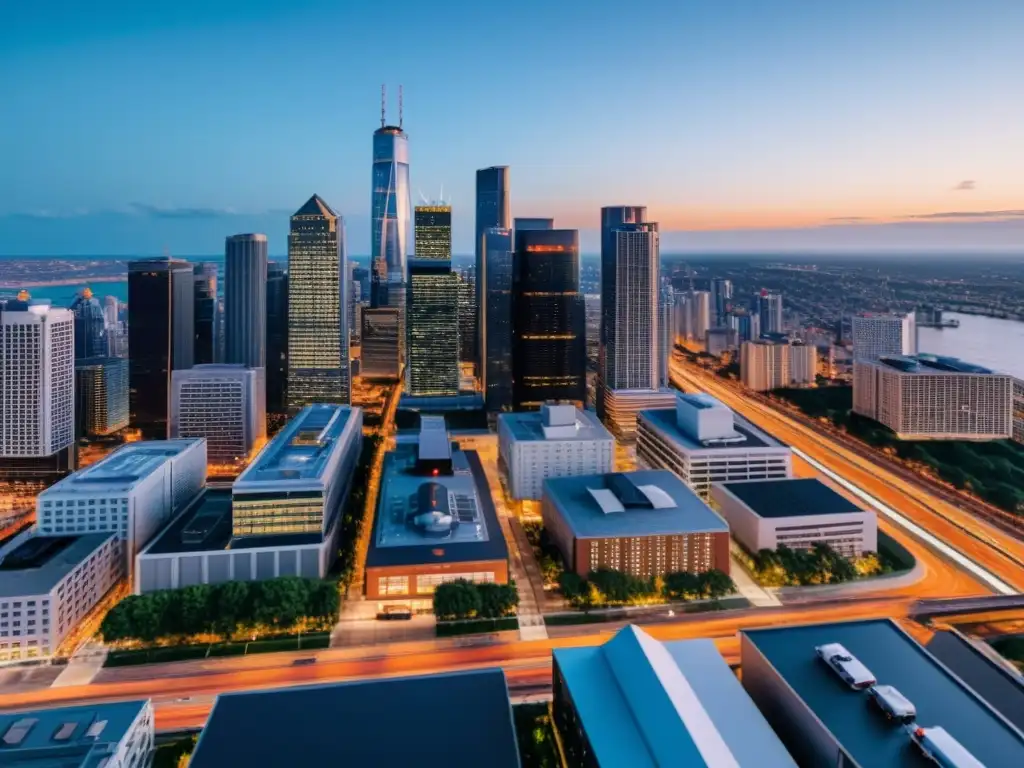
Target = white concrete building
(134,492)
(557,441)
(767,365)
(47,585)
(797,513)
(226,404)
(721,340)
(803,364)
(926,397)
(881,335)
(704,442)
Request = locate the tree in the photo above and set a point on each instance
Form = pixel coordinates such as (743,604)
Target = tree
(715,584)
(117,624)
(194,614)
(497,600)
(680,586)
(457,599)
(572,585)
(324,601)
(231,605)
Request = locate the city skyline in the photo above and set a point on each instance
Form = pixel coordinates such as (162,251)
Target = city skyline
(792,130)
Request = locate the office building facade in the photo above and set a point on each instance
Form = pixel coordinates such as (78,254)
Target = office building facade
(390,213)
(277,339)
(318,356)
(876,336)
(613,278)
(432,232)
(245,300)
(548,322)
(521,222)
(206,307)
(101,396)
(1018,410)
(495,319)
(379,348)
(770,311)
(493,209)
(90,326)
(432,326)
(467,313)
(721,300)
(161,338)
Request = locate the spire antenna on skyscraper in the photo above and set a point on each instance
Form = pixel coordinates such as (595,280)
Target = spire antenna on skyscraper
(383,99)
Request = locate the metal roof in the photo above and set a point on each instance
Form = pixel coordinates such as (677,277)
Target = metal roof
(122,469)
(790,497)
(529,425)
(665,421)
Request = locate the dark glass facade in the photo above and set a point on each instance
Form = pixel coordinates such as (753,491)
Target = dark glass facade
(206,314)
(493,209)
(433,232)
(245,300)
(432,349)
(496,335)
(467,313)
(161,338)
(277,338)
(379,351)
(90,326)
(549,353)
(101,396)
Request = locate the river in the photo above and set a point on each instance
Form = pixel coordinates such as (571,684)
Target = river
(990,341)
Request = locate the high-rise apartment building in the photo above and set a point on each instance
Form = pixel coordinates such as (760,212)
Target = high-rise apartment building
(767,365)
(223,403)
(245,300)
(883,335)
(770,310)
(37,381)
(390,212)
(101,396)
(90,326)
(379,350)
(696,315)
(548,324)
(433,232)
(721,298)
(206,308)
(467,312)
(803,363)
(161,338)
(493,209)
(611,218)
(318,361)
(432,322)
(495,319)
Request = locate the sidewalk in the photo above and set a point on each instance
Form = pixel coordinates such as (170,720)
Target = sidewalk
(758,596)
(83,667)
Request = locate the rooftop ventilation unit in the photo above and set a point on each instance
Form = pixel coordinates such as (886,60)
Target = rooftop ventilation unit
(19,729)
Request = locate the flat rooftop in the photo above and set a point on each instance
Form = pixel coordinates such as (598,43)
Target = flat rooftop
(124,468)
(894,658)
(57,737)
(300,451)
(790,497)
(621,691)
(529,425)
(584,514)
(456,720)
(932,364)
(664,420)
(39,563)
(399,538)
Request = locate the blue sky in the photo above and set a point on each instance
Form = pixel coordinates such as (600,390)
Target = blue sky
(743,124)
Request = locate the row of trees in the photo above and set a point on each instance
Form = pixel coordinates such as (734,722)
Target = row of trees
(235,608)
(354,514)
(785,567)
(546,551)
(607,587)
(462,599)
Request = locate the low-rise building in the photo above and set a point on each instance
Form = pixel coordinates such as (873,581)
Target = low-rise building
(704,442)
(387,723)
(111,735)
(721,340)
(48,584)
(797,513)
(635,702)
(622,406)
(557,441)
(928,397)
(644,523)
(776,364)
(435,522)
(825,722)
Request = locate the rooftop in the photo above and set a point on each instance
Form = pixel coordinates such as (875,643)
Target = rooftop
(932,364)
(124,468)
(434,518)
(300,452)
(790,497)
(894,658)
(665,421)
(61,737)
(316,206)
(532,426)
(646,703)
(649,502)
(38,564)
(456,720)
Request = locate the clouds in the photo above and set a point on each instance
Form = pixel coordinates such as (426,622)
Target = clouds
(966,215)
(145,209)
(967,185)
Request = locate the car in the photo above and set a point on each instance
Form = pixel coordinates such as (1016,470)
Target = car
(304,662)
(937,745)
(395,613)
(845,665)
(894,704)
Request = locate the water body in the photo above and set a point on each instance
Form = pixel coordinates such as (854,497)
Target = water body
(990,341)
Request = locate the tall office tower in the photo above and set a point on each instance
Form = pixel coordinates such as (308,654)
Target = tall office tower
(495,319)
(207,313)
(549,346)
(90,326)
(531,223)
(245,300)
(101,396)
(37,382)
(747,326)
(433,232)
(432,321)
(111,311)
(277,338)
(666,343)
(223,403)
(876,336)
(379,351)
(697,317)
(769,307)
(318,363)
(493,209)
(161,338)
(467,312)
(390,209)
(721,297)
(612,217)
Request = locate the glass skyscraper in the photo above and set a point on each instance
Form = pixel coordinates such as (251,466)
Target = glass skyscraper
(496,320)
(549,353)
(390,209)
(432,349)
(90,326)
(493,209)
(101,396)
(277,338)
(318,361)
(433,232)
(207,314)
(245,300)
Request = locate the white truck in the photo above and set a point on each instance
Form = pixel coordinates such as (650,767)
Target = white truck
(942,749)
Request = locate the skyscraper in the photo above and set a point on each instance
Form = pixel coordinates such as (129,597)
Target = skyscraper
(432,351)
(721,297)
(548,322)
(245,300)
(493,209)
(467,312)
(770,309)
(277,338)
(101,396)
(390,208)
(379,348)
(433,232)
(877,335)
(495,319)
(207,313)
(318,362)
(161,338)
(37,381)
(90,326)
(531,223)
